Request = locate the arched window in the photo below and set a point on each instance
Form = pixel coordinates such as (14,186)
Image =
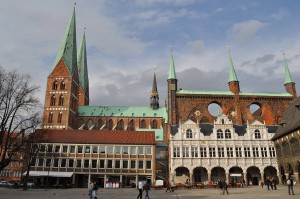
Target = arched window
(257,134)
(131,126)
(110,125)
(143,124)
(220,134)
(154,124)
(52,100)
(189,133)
(54,85)
(50,117)
(59,118)
(227,134)
(120,125)
(61,100)
(100,123)
(90,125)
(62,85)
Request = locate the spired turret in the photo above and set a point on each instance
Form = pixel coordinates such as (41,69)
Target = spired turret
(233,82)
(289,84)
(154,99)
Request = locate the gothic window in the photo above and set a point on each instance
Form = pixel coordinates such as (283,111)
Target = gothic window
(255,152)
(195,152)
(54,85)
(61,100)
(154,124)
(189,133)
(238,152)
(80,123)
(229,152)
(227,134)
(131,126)
(212,152)
(90,124)
(221,152)
(264,152)
(100,123)
(247,152)
(52,101)
(203,153)
(143,124)
(257,134)
(120,125)
(50,117)
(62,85)
(220,134)
(59,118)
(185,151)
(272,152)
(176,152)
(110,125)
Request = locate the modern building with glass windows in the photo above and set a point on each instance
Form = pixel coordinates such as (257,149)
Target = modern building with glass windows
(110,157)
(207,152)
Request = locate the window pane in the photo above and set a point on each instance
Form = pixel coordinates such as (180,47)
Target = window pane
(94,164)
(141,164)
(110,150)
(64,149)
(101,165)
(125,149)
(79,149)
(63,163)
(133,150)
(57,149)
(117,164)
(95,149)
(148,151)
(141,150)
(148,164)
(102,149)
(132,164)
(125,164)
(71,163)
(78,163)
(87,149)
(72,149)
(86,163)
(118,150)
(109,163)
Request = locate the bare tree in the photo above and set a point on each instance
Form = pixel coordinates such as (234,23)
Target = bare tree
(19,114)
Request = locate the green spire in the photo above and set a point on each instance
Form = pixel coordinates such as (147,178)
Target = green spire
(232,74)
(172,73)
(154,86)
(68,49)
(82,65)
(287,74)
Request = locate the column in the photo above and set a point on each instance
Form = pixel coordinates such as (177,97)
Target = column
(209,177)
(245,177)
(227,177)
(73,179)
(121,183)
(191,178)
(279,178)
(104,181)
(89,179)
(262,176)
(296,177)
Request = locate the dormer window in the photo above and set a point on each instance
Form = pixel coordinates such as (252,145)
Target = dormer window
(220,134)
(189,133)
(227,134)
(257,134)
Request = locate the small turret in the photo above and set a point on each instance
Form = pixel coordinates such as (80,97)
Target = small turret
(234,85)
(154,99)
(289,84)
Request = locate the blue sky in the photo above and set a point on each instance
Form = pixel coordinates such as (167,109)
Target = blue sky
(125,39)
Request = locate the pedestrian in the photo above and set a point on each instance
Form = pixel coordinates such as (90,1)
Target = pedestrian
(225,187)
(274,182)
(168,186)
(172,186)
(147,189)
(94,191)
(290,184)
(91,186)
(140,188)
(271,184)
(261,184)
(268,183)
(220,186)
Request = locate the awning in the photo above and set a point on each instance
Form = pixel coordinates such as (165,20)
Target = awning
(50,174)
(236,174)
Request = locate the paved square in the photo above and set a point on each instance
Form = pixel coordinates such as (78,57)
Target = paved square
(239,193)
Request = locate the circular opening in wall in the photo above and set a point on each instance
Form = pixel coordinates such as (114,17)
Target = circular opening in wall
(214,109)
(255,109)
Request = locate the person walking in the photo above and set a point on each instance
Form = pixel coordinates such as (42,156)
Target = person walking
(91,187)
(140,188)
(147,189)
(268,183)
(172,186)
(262,184)
(290,184)
(225,187)
(274,183)
(220,186)
(168,186)
(271,183)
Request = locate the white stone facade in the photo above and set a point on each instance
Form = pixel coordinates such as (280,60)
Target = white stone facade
(208,152)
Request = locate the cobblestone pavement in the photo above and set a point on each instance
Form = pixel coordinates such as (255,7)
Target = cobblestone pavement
(254,192)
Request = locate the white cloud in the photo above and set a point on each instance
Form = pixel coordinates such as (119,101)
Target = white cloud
(280,14)
(245,32)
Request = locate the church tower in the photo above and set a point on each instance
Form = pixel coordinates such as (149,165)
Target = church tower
(289,84)
(172,88)
(154,99)
(61,99)
(234,85)
(83,98)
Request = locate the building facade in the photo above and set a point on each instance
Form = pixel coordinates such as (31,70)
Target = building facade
(286,142)
(77,157)
(207,152)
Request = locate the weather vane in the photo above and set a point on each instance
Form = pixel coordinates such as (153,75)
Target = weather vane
(84,26)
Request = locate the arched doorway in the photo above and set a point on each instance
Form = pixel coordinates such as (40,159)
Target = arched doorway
(271,172)
(200,175)
(217,173)
(182,175)
(282,173)
(253,175)
(235,174)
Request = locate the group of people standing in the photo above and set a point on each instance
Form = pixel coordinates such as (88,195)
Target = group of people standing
(271,183)
(93,187)
(141,188)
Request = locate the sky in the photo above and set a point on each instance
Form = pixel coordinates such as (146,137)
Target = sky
(127,38)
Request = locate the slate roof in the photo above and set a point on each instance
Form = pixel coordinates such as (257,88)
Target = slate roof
(98,137)
(291,118)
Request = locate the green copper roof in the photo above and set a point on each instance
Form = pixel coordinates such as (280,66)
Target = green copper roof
(122,111)
(154,87)
(287,74)
(268,94)
(232,74)
(172,73)
(82,65)
(68,49)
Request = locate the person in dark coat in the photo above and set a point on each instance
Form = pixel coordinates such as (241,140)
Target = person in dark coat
(146,189)
(168,186)
(274,183)
(220,186)
(290,184)
(268,183)
(225,186)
